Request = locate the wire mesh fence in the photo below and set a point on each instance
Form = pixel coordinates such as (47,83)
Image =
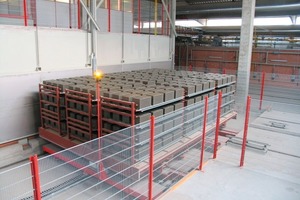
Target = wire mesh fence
(116,166)
(16,183)
(136,16)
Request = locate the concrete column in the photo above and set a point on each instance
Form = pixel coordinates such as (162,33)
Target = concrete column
(245,52)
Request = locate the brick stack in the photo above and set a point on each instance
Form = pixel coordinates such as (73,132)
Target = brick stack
(155,92)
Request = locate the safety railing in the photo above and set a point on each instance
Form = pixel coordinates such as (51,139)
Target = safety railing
(120,165)
(270,86)
(17,182)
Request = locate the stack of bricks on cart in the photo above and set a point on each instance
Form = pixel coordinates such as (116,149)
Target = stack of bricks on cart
(154,91)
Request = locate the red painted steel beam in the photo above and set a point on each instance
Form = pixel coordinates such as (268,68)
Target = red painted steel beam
(139,16)
(217,124)
(203,133)
(11,16)
(262,90)
(245,131)
(25,12)
(151,157)
(35,177)
(132,132)
(109,14)
(78,14)
(98,109)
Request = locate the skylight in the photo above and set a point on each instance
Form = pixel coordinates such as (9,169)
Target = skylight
(262,21)
(187,23)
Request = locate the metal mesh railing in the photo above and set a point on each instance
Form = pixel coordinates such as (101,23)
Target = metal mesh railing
(16,183)
(116,166)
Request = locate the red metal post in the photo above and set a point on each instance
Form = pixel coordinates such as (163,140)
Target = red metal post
(109,11)
(33,11)
(25,11)
(139,16)
(245,131)
(70,14)
(203,133)
(98,108)
(132,132)
(151,157)
(58,108)
(217,124)
(262,90)
(35,177)
(79,14)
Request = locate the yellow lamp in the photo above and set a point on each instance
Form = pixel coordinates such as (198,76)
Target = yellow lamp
(98,74)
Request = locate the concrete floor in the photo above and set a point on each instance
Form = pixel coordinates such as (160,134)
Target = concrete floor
(269,175)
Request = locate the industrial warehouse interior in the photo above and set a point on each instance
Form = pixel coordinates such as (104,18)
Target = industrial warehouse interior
(150,99)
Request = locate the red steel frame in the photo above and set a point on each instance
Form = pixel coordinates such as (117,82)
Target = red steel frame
(245,131)
(262,90)
(79,14)
(109,14)
(25,12)
(70,15)
(139,16)
(151,157)
(35,177)
(50,91)
(217,124)
(123,107)
(99,124)
(75,124)
(203,133)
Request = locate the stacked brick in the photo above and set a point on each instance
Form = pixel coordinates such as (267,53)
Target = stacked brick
(154,91)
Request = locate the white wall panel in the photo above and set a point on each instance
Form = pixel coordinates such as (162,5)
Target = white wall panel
(136,48)
(17,50)
(159,48)
(109,49)
(60,50)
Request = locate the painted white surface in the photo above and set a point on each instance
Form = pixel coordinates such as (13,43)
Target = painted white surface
(109,49)
(17,50)
(136,48)
(61,49)
(159,48)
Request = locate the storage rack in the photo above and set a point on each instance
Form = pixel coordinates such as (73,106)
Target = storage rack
(81,120)
(116,114)
(52,108)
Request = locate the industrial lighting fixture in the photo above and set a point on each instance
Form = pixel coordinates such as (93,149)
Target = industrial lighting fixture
(98,75)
